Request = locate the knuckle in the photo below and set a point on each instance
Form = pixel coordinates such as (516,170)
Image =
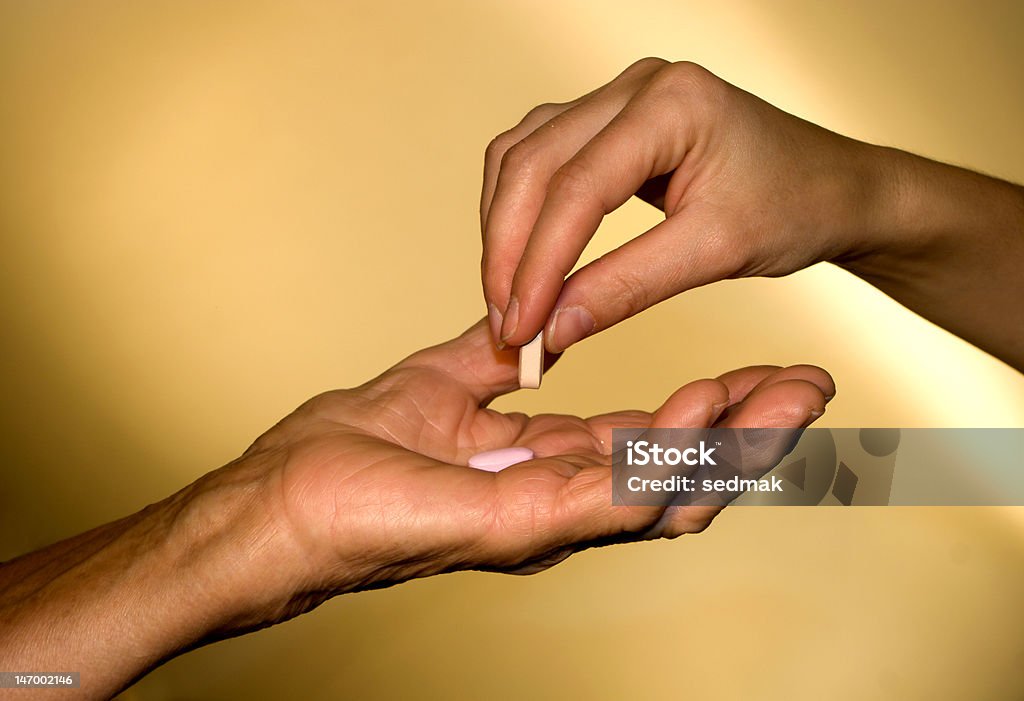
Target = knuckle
(646,65)
(542,113)
(521,158)
(324,405)
(631,293)
(516,149)
(499,145)
(686,77)
(733,258)
(725,253)
(497,277)
(689,520)
(572,179)
(691,523)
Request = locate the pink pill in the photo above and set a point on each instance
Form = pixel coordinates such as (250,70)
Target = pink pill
(497,460)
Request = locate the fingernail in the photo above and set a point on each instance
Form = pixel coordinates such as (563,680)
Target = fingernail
(511,321)
(829,398)
(494,319)
(814,416)
(716,412)
(569,325)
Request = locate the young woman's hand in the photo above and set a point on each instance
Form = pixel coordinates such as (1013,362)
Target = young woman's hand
(747,190)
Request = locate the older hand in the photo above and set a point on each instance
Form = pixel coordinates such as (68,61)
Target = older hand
(371,484)
(356,489)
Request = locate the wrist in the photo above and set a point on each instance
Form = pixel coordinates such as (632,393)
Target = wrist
(948,244)
(114,602)
(921,215)
(873,207)
(244,567)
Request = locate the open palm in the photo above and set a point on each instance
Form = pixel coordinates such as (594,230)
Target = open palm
(373,482)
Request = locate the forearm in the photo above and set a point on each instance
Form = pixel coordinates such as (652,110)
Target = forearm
(949,244)
(116,601)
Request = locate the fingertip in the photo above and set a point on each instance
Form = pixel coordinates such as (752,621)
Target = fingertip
(526,315)
(510,321)
(496,281)
(806,400)
(475,339)
(816,375)
(568,325)
(494,320)
(813,416)
(787,403)
(472,360)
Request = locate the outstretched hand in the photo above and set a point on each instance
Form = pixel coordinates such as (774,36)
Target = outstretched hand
(372,481)
(357,489)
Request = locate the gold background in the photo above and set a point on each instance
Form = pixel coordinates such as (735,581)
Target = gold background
(213,210)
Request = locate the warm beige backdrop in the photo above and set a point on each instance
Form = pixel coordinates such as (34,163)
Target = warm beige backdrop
(212,210)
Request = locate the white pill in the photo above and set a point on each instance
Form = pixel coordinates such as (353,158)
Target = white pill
(497,460)
(531,363)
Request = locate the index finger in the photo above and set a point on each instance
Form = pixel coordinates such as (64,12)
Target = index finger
(519,164)
(646,139)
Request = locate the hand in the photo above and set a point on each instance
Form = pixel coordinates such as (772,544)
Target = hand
(747,190)
(357,489)
(372,481)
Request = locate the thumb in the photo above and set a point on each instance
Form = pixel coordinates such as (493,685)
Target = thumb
(687,250)
(471,360)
